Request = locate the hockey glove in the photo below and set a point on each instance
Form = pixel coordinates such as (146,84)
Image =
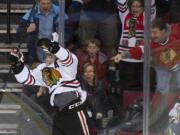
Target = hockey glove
(16,55)
(17,59)
(48,46)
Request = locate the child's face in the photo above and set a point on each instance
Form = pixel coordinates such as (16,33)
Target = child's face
(92,48)
(89,73)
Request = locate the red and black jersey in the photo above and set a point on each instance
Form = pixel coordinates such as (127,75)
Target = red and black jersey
(132,27)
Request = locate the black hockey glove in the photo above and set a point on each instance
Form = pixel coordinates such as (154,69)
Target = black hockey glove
(48,46)
(17,60)
(16,55)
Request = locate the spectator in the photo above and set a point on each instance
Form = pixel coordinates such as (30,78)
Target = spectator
(164,45)
(93,55)
(41,92)
(161,36)
(99,18)
(95,92)
(132,17)
(40,22)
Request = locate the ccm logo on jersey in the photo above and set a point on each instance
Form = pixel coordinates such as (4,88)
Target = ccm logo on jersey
(74,105)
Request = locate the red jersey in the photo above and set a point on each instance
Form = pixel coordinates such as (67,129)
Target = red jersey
(101,63)
(165,54)
(137,52)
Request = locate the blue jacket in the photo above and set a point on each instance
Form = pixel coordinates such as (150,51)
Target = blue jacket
(32,16)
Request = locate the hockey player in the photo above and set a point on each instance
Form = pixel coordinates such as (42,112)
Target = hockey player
(64,89)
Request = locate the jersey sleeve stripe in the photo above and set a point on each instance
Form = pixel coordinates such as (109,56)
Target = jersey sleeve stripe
(68,61)
(68,57)
(30,80)
(122,6)
(73,82)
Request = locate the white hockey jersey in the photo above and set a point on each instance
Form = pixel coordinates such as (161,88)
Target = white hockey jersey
(64,70)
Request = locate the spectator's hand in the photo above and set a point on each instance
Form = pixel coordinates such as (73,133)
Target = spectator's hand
(99,115)
(41,91)
(118,57)
(31,28)
(16,55)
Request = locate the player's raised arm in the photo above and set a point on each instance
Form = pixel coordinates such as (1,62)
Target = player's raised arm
(65,57)
(20,71)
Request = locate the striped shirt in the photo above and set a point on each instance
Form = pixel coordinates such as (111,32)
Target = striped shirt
(132,28)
